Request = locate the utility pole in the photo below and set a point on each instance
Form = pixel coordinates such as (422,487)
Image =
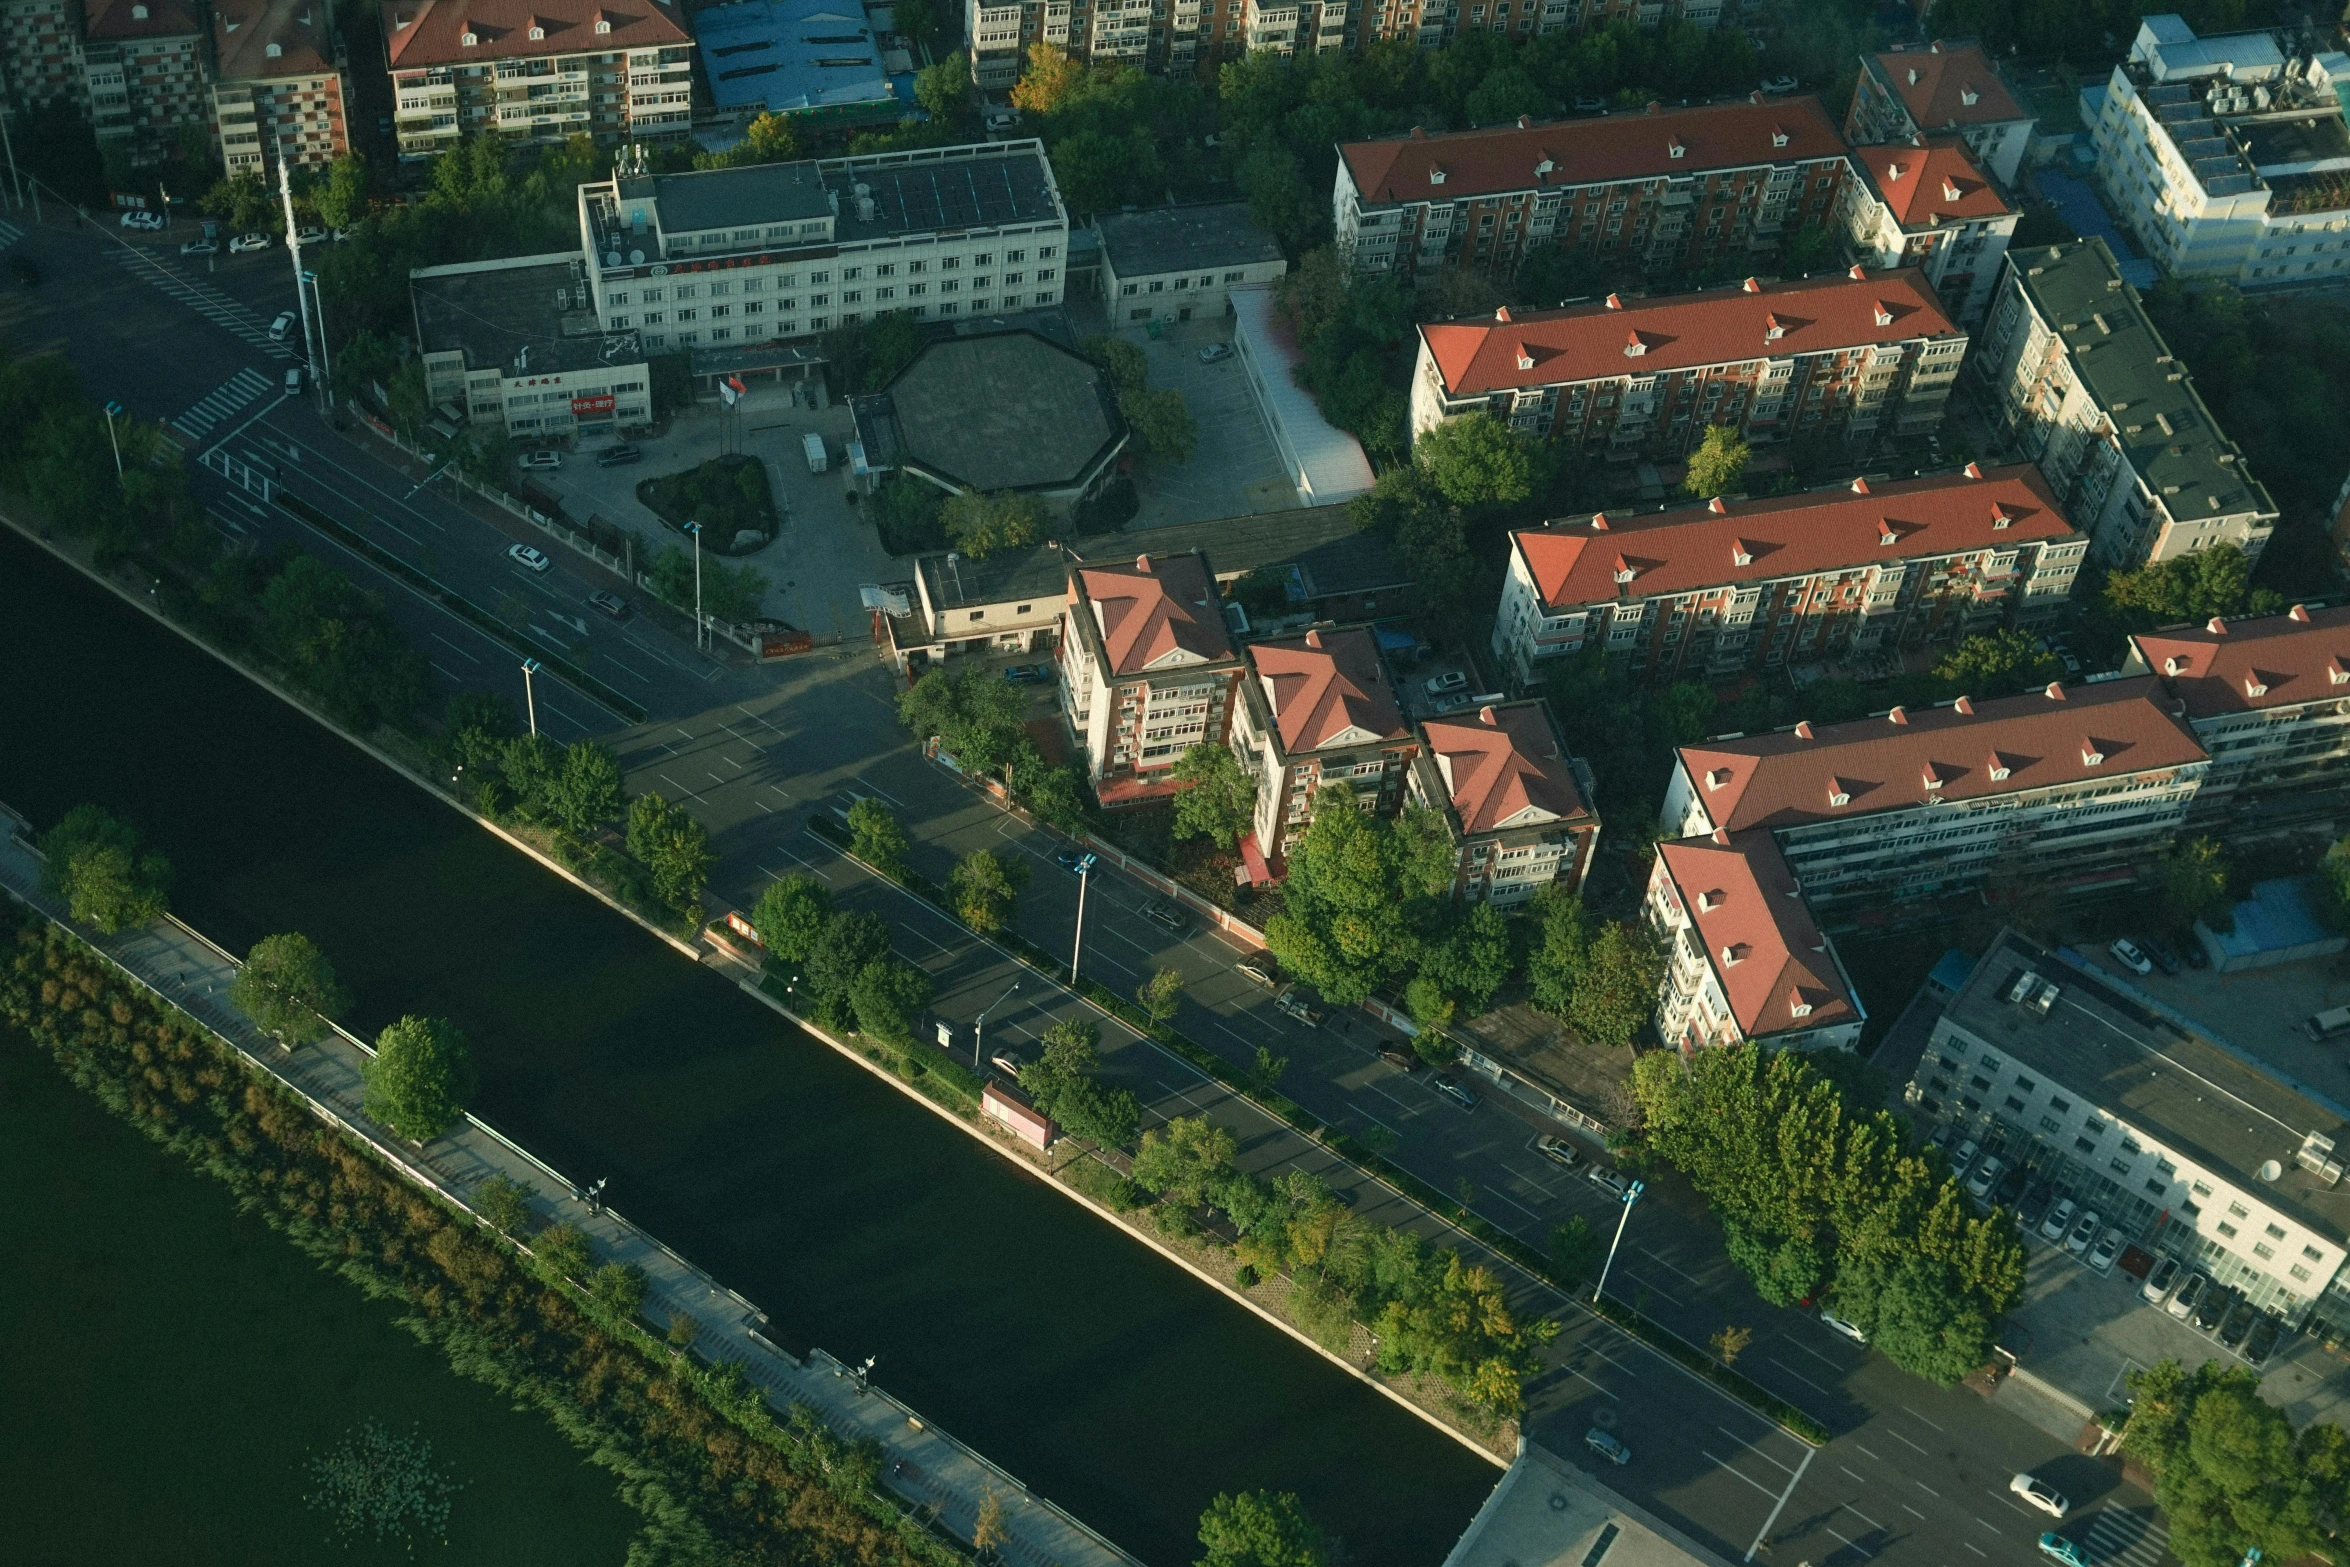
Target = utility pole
(285,191)
(111,410)
(979,1028)
(695,529)
(1084,873)
(1631,1196)
(325,361)
(530,667)
(8,143)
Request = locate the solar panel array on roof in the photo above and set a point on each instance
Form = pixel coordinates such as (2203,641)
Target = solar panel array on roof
(969,193)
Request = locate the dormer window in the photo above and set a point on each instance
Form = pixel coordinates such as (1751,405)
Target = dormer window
(1886,535)
(1933,776)
(1950,191)
(1624,573)
(1884,315)
(1998,768)
(1718,778)
(1525,360)
(469,38)
(2000,518)
(2090,755)
(537,33)
(2175,665)
(1709,901)
(2339,674)
(1735,954)
(1741,553)
(2253,684)
(1837,793)
(1633,347)
(1796,1005)
(138,13)
(1675,149)
(1773,330)
(1435,173)
(1778,137)
(1969,97)
(273,51)
(603,24)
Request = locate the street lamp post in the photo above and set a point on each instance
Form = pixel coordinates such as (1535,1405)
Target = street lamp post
(695,529)
(530,667)
(326,368)
(111,410)
(979,1027)
(1631,1196)
(285,190)
(1084,872)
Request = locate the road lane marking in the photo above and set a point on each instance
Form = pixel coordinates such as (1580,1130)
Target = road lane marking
(1978,1550)
(1921,1485)
(674,784)
(633,675)
(1730,1468)
(1857,1513)
(1863,1480)
(454,648)
(877,789)
(1692,1278)
(1800,1377)
(1988,1524)
(715,778)
(1906,1442)
(1521,1207)
(1921,1417)
(1751,1447)
(1779,1506)
(1602,1386)
(445,675)
(1865,1450)
(1913,1512)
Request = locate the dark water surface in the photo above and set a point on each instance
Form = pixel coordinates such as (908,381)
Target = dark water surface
(1100,1374)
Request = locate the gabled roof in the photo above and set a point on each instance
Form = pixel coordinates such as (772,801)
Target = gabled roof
(243,32)
(1556,153)
(2245,665)
(1156,613)
(1934,182)
(1504,766)
(1327,688)
(2064,735)
(1773,964)
(1936,83)
(432,32)
(1676,331)
(1584,562)
(111,19)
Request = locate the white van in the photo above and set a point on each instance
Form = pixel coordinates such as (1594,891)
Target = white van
(2322,1026)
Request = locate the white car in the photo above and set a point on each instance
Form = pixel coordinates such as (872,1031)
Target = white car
(1438,685)
(281,326)
(310,236)
(2039,1493)
(1984,1177)
(135,219)
(244,242)
(2108,1247)
(199,247)
(1779,84)
(2126,953)
(2059,1219)
(541,458)
(1964,1158)
(527,558)
(2159,1279)
(1850,1330)
(2083,1233)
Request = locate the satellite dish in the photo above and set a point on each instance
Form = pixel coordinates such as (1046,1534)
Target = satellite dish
(612,258)
(2270,1170)
(636,258)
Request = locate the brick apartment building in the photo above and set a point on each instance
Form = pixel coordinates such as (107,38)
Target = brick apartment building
(1727,588)
(1159,35)
(1941,88)
(1317,721)
(1517,805)
(278,93)
(1745,961)
(537,70)
(1147,670)
(41,59)
(1433,23)
(1930,206)
(150,88)
(1664,189)
(1858,354)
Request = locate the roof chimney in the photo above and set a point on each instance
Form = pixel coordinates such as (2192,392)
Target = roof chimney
(1419,132)
(1501,312)
(1752,286)
(1973,470)
(1313,638)
(2055,691)
(1655,107)
(2217,627)
(1718,506)
(1599,521)
(1897,714)
(1860,486)
(1525,122)
(1965,705)
(1856,274)
(2300,612)
(1486,715)
(1803,729)
(1615,302)
(1142,563)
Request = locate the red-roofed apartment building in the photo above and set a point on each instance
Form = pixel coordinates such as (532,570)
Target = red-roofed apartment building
(537,70)
(1930,206)
(1855,353)
(147,74)
(1518,806)
(1146,670)
(279,95)
(1745,962)
(1724,587)
(1664,189)
(2270,700)
(41,59)
(1941,87)
(1912,804)
(1431,23)
(1316,714)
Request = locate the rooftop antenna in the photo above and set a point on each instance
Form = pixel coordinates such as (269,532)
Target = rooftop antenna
(955,565)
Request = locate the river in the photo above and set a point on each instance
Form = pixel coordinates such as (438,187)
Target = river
(1102,1375)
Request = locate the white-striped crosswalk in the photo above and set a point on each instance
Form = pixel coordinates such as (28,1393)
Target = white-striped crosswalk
(9,234)
(2133,1539)
(207,301)
(227,400)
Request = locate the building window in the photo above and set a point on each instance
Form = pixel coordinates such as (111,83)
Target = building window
(2227,1229)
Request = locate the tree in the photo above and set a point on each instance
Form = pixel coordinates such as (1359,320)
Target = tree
(1718,466)
(1359,888)
(1912,1311)
(990,1532)
(287,987)
(673,846)
(96,863)
(1187,1160)
(618,1287)
(945,88)
(981,524)
(1785,1270)
(769,138)
(1552,274)
(1048,82)
(852,939)
(1261,1529)
(2194,879)
(1163,427)
(563,1248)
(918,19)
(2213,581)
(1427,535)
(505,1202)
(984,886)
(2000,663)
(1556,964)
(1473,961)
(887,996)
(976,715)
(1161,995)
(875,836)
(1476,460)
(342,199)
(791,915)
(1217,799)
(586,793)
(420,1077)
(2230,1472)
(533,765)
(1616,991)
(1062,1083)
(1806,249)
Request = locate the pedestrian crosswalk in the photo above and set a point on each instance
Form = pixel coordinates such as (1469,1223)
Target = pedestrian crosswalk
(9,234)
(224,402)
(2132,1539)
(207,301)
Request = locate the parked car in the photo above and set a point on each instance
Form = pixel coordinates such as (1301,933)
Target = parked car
(1028,674)
(1608,1180)
(310,235)
(2213,1309)
(2057,1548)
(2011,1186)
(1009,1062)
(1075,861)
(1168,915)
(527,558)
(2192,950)
(1258,974)
(2059,1219)
(1453,703)
(2037,1492)
(2108,1247)
(2035,1204)
(1215,353)
(1964,1159)
(1607,1446)
(22,269)
(136,219)
(1401,1059)
(293,380)
(1779,84)
(2263,1341)
(1849,1329)
(1940,1136)
(2190,1295)
(2083,1232)
(1290,1004)
(1558,1151)
(539,457)
(244,242)
(1585,103)
(1980,1179)
(1453,1089)
(2159,1279)
(2237,1324)
(281,326)
(611,604)
(615,456)
(2126,953)
(2164,959)
(1452,680)
(200,247)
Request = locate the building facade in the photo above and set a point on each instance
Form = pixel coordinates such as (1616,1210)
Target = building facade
(1158,35)
(1316,724)
(2270,700)
(1941,89)
(2227,156)
(150,85)
(1178,263)
(1729,588)
(536,70)
(515,344)
(2080,783)
(1147,670)
(776,251)
(1857,354)
(1745,964)
(279,94)
(2089,390)
(41,60)
(1517,805)
(1930,206)
(1664,189)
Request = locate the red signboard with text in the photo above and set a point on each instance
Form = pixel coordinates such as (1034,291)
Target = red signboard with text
(591,405)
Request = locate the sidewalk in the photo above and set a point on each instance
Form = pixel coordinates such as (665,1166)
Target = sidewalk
(928,1469)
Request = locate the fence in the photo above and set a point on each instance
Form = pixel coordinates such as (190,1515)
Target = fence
(583,543)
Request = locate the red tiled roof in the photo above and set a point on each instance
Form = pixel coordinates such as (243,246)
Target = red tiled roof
(1677,331)
(1154,608)
(110,19)
(1590,152)
(2242,666)
(1946,75)
(1789,535)
(2107,729)
(432,32)
(1328,688)
(243,30)
(1768,954)
(1502,762)
(1937,180)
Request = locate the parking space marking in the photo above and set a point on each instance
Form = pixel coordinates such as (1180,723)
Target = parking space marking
(674,784)
(1865,1450)
(1780,1505)
(1750,1447)
(1732,1468)
(1863,1479)
(1913,1512)
(1521,1207)
(1602,1386)
(1988,1524)
(454,648)
(1921,1485)
(1800,1377)
(877,789)
(1978,1550)
(1665,1262)
(1857,1513)
(1847,1539)
(1906,1442)
(1906,1408)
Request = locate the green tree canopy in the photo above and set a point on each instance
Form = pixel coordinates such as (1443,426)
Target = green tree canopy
(1359,889)
(945,88)
(1261,1529)
(2194,880)
(420,1077)
(1187,1160)
(287,987)
(342,199)
(1560,950)
(2230,1472)
(109,880)
(984,885)
(888,996)
(791,915)
(981,524)
(1615,992)
(2196,586)
(975,714)
(1217,799)
(673,846)
(585,796)
(875,835)
(1718,466)
(1476,460)
(1474,958)
(1999,663)
(1064,1083)
(1425,533)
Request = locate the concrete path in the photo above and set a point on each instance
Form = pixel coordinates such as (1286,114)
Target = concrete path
(929,1470)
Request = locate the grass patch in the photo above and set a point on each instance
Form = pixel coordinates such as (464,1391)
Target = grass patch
(1104,1185)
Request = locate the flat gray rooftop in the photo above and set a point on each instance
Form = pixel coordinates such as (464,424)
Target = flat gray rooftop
(1184,239)
(1002,411)
(984,189)
(2145,1069)
(726,198)
(534,318)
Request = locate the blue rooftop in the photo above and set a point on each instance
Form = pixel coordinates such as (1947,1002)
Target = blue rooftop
(1951,974)
(2275,918)
(790,55)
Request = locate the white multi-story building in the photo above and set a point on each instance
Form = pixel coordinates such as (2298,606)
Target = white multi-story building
(1723,588)
(536,70)
(1147,670)
(2178,1142)
(1517,805)
(2270,700)
(2227,156)
(1318,722)
(1941,89)
(1930,206)
(729,257)
(1159,35)
(1745,963)
(2088,389)
(1178,263)
(516,345)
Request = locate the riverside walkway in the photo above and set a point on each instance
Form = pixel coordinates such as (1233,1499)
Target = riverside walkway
(929,1471)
